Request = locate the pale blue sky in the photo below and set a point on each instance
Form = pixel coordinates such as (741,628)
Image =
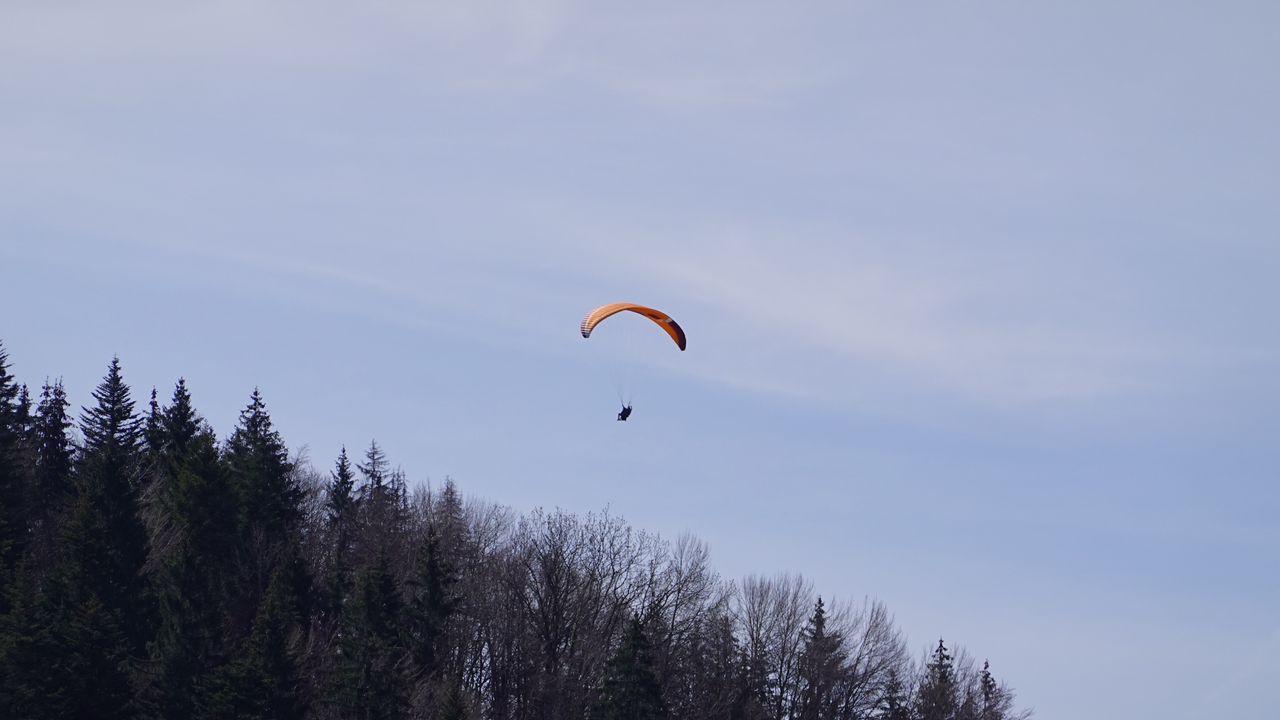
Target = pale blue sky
(981,297)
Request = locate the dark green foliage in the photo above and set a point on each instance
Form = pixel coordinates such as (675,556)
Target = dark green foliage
(194,571)
(13,474)
(268,501)
(383,503)
(258,467)
(371,682)
(107,476)
(995,702)
(340,506)
(152,573)
(264,681)
(820,667)
(936,699)
(431,602)
(65,654)
(53,490)
(630,690)
(153,429)
(893,702)
(715,675)
(340,530)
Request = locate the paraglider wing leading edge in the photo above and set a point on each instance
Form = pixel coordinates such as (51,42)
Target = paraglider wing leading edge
(660,318)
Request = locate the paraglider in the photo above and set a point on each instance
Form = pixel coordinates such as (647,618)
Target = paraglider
(661,319)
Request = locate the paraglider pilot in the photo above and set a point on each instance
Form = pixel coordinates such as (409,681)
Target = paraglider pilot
(625,413)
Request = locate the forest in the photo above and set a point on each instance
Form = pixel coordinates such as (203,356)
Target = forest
(151,569)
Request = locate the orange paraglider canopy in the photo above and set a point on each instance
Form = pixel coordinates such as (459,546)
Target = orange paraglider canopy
(662,319)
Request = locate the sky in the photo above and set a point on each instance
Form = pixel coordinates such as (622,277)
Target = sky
(980,296)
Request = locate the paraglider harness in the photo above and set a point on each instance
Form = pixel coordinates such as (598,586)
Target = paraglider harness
(624,413)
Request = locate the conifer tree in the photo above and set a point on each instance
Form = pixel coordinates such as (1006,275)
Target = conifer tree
(968,708)
(264,681)
(193,578)
(53,490)
(153,429)
(630,690)
(269,509)
(382,500)
(65,654)
(893,702)
(196,536)
(107,477)
(340,526)
(342,500)
(179,425)
(996,702)
(260,471)
(370,683)
(431,602)
(936,699)
(820,666)
(718,679)
(13,478)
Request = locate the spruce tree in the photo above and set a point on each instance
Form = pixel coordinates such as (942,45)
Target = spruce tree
(193,578)
(259,469)
(936,699)
(107,477)
(340,526)
(893,703)
(53,490)
(431,602)
(820,666)
(996,702)
(153,429)
(717,677)
(13,476)
(269,503)
(370,683)
(630,690)
(264,680)
(65,653)
(197,537)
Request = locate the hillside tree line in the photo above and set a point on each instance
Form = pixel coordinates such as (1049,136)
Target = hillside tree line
(150,569)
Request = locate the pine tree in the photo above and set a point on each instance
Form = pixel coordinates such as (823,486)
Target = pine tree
(259,469)
(269,507)
(178,426)
(431,602)
(264,682)
(820,667)
(382,499)
(107,477)
(197,539)
(715,675)
(53,490)
(13,476)
(65,653)
(968,708)
(193,578)
(893,702)
(340,525)
(630,690)
(996,702)
(370,682)
(153,429)
(936,699)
